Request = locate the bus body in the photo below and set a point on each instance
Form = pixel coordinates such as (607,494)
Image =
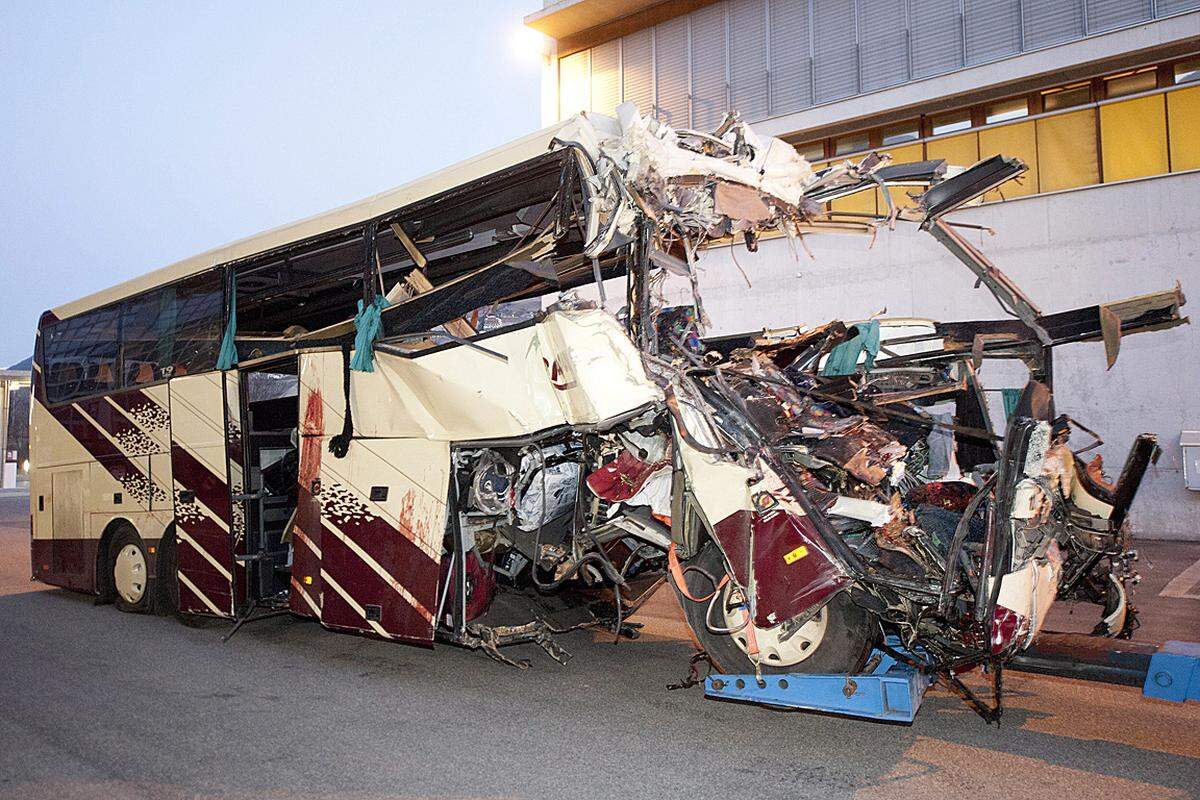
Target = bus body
(375,417)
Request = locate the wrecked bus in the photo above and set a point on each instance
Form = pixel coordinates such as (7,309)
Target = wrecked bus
(401,419)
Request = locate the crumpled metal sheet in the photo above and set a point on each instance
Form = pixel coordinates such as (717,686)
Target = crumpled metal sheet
(694,184)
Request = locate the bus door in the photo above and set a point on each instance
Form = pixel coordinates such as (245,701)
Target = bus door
(205,440)
(370,524)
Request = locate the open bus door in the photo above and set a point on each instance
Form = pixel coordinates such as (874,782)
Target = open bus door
(205,448)
(369,525)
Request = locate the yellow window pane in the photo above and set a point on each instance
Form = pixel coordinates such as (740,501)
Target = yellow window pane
(1066,147)
(861,203)
(1133,138)
(901,155)
(1017,141)
(959,151)
(574,87)
(1183,110)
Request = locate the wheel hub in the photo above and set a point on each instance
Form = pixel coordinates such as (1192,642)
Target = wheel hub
(130,574)
(778,646)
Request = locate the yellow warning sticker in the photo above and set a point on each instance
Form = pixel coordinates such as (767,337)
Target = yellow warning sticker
(794,556)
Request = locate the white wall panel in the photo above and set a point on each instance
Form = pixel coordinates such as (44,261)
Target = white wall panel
(748,58)
(710,90)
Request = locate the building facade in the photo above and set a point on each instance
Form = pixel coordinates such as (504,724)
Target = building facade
(14,426)
(1101,98)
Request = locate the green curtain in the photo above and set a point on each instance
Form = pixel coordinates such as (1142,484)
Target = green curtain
(367,327)
(843,359)
(1010,397)
(228,357)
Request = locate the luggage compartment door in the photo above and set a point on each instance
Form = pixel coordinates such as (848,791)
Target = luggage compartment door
(369,526)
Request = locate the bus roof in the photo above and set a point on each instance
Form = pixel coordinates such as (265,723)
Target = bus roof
(492,161)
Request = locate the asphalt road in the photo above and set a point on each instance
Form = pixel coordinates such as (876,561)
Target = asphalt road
(99,704)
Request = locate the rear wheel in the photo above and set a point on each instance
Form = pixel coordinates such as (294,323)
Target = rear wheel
(836,640)
(129,568)
(166,584)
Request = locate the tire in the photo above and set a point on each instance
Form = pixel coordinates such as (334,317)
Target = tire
(129,570)
(836,641)
(166,581)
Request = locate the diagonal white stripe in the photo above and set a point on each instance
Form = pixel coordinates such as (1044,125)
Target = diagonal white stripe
(362,612)
(307,597)
(379,510)
(207,557)
(191,586)
(378,569)
(301,536)
(100,429)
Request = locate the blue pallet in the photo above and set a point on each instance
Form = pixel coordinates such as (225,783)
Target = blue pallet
(892,691)
(1174,672)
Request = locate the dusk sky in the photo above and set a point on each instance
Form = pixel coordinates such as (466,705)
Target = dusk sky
(134,134)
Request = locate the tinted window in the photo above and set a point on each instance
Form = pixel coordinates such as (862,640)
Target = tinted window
(197,314)
(172,331)
(143,346)
(81,355)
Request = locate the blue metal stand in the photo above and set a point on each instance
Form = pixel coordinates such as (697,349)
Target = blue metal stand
(891,691)
(1174,672)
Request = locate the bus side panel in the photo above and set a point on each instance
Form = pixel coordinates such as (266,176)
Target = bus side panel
(93,466)
(199,472)
(382,515)
(142,422)
(61,552)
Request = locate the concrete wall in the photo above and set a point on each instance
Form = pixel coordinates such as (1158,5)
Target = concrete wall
(1065,250)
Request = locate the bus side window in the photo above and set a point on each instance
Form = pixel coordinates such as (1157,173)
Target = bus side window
(81,355)
(172,331)
(145,335)
(198,324)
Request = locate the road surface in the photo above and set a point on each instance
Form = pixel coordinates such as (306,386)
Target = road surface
(99,704)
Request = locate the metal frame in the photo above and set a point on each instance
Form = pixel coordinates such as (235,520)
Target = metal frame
(889,690)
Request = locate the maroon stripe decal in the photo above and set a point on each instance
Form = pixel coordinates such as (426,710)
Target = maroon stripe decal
(190,473)
(201,573)
(305,564)
(119,465)
(131,438)
(87,434)
(134,400)
(398,616)
(411,566)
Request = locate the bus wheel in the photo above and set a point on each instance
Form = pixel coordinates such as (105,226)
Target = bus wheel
(130,570)
(166,581)
(837,640)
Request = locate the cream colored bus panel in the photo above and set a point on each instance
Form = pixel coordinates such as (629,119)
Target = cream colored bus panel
(574,367)
(594,366)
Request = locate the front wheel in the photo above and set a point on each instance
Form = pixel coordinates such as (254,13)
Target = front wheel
(837,640)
